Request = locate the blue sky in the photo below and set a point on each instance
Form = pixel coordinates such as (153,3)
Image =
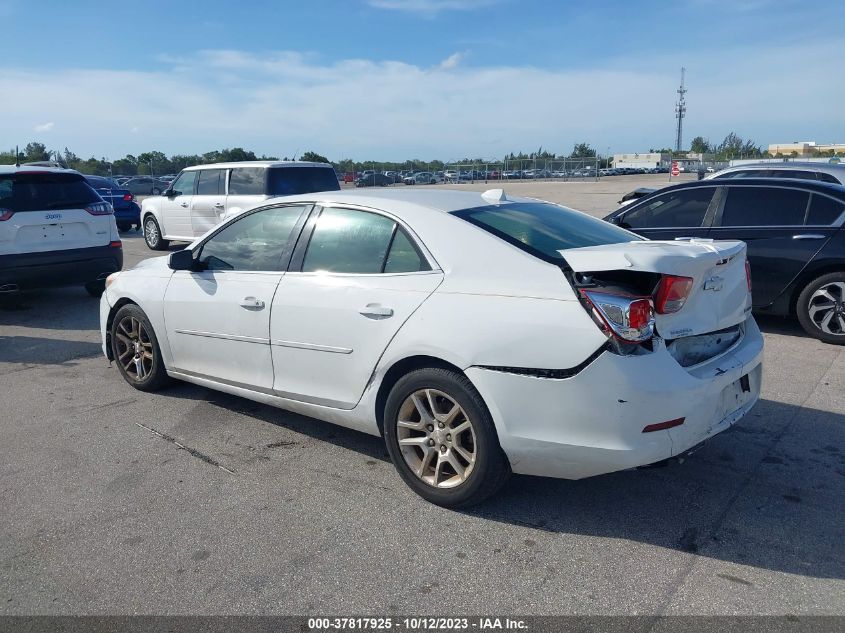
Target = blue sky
(391,79)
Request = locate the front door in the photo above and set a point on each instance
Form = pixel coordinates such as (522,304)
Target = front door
(361,277)
(209,203)
(771,220)
(176,208)
(218,316)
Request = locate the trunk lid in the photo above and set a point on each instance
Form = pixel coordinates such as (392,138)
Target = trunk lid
(719,297)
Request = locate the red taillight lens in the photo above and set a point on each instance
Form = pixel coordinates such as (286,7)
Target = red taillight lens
(128,197)
(672,293)
(116,244)
(628,318)
(100,208)
(5,214)
(748,274)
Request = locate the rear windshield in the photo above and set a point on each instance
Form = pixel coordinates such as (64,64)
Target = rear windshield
(543,229)
(39,191)
(289,181)
(98,182)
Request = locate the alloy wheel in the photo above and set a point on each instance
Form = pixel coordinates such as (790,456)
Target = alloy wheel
(436,438)
(826,308)
(134,348)
(151,233)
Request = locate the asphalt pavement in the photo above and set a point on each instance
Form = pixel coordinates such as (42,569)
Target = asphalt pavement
(190,501)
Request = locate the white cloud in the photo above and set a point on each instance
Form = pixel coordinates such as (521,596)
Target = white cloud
(452,61)
(44,127)
(431,7)
(277,102)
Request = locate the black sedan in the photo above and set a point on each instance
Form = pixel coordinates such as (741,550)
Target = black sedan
(374,180)
(793,228)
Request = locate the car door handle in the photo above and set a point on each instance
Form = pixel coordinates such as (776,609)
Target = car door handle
(251,303)
(808,236)
(376,310)
(183,204)
(219,205)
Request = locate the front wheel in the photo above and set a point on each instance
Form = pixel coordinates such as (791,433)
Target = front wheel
(442,440)
(152,235)
(156,191)
(821,308)
(135,349)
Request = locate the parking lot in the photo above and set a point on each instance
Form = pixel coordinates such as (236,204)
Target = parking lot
(190,501)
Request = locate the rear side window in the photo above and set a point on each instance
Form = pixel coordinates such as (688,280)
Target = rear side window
(824,210)
(40,191)
(100,183)
(247,181)
(290,181)
(349,241)
(684,208)
(828,178)
(793,173)
(764,206)
(543,229)
(751,173)
(210,182)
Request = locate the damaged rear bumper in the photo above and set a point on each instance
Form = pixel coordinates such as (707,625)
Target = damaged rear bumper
(592,423)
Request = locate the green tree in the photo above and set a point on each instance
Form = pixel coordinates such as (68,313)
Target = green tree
(700,146)
(35,151)
(314,157)
(582,150)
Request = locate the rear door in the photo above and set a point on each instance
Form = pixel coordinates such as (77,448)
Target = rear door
(342,301)
(208,206)
(676,213)
(51,211)
(771,220)
(176,208)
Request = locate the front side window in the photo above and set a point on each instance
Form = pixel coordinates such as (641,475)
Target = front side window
(684,208)
(247,181)
(210,182)
(764,206)
(359,242)
(543,229)
(184,184)
(253,242)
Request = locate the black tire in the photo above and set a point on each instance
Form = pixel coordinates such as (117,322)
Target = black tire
(155,374)
(490,470)
(156,191)
(123,227)
(96,288)
(806,302)
(152,235)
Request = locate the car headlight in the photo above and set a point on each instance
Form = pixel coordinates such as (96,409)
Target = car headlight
(112,278)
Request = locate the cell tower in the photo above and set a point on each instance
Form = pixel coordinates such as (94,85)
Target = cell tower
(680,112)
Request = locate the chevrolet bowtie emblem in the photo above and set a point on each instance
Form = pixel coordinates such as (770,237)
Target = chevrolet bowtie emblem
(714,283)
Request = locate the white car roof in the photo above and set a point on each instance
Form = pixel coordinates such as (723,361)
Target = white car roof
(259,163)
(13,169)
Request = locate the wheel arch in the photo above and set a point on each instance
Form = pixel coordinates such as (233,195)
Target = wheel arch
(807,276)
(110,321)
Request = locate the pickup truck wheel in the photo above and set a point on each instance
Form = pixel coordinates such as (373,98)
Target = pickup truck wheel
(442,440)
(152,235)
(821,308)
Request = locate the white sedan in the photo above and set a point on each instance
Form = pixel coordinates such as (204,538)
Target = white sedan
(479,335)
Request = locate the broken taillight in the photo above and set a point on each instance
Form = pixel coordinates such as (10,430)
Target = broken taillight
(672,293)
(628,318)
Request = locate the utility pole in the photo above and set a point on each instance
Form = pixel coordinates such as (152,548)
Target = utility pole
(680,112)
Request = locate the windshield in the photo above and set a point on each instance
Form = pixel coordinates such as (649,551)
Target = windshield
(289,181)
(543,229)
(36,191)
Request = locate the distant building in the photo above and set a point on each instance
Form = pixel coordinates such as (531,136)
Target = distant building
(648,160)
(805,148)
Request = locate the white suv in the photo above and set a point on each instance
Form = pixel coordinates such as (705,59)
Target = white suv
(55,230)
(204,195)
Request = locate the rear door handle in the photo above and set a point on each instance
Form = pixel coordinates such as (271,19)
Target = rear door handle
(376,310)
(183,204)
(808,236)
(251,303)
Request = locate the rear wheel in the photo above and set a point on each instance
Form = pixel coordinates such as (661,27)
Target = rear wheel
(135,350)
(821,308)
(152,235)
(442,440)
(156,191)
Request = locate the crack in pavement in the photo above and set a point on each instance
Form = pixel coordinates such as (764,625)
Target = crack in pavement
(191,451)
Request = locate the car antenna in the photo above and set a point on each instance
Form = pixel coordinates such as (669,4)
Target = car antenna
(295,153)
(17,157)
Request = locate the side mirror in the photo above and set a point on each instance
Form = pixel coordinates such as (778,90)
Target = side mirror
(181,260)
(616,220)
(169,193)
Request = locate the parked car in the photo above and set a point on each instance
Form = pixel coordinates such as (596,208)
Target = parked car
(796,244)
(145,186)
(422,178)
(374,180)
(204,195)
(562,318)
(55,230)
(127,213)
(825,172)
